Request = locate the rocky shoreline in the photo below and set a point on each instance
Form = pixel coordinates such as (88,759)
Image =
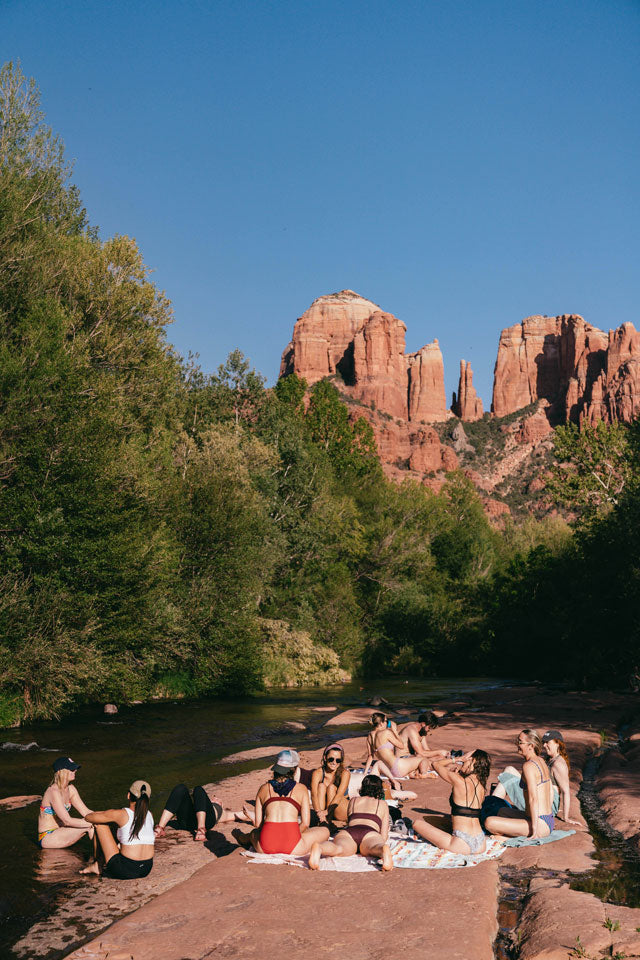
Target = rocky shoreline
(210,902)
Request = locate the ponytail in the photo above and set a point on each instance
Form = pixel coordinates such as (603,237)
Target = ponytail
(562,750)
(140,812)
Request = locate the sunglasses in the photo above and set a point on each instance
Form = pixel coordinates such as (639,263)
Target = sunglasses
(333,759)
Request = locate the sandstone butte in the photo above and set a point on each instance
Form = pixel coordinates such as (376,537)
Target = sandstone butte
(571,370)
(583,374)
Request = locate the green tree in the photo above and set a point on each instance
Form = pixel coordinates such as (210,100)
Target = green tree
(594,466)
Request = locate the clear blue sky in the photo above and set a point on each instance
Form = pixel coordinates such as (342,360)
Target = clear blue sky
(463,164)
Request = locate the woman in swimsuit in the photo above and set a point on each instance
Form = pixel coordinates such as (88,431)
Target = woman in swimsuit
(559,767)
(131,857)
(468,784)
(367,829)
(537,820)
(282,813)
(330,785)
(381,753)
(56,829)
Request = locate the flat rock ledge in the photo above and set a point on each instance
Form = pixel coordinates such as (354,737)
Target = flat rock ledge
(201,903)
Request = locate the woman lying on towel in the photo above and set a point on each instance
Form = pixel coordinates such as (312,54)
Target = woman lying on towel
(282,813)
(198,813)
(367,829)
(330,785)
(537,818)
(468,784)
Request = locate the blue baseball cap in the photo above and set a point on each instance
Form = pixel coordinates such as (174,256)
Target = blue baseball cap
(65,763)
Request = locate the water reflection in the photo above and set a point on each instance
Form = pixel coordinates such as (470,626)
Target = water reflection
(58,866)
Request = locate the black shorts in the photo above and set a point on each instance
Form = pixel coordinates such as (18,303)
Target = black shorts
(120,867)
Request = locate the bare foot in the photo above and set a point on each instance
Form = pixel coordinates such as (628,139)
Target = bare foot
(314,857)
(246,815)
(387,859)
(93,867)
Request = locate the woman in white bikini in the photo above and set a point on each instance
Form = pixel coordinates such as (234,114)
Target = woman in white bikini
(131,857)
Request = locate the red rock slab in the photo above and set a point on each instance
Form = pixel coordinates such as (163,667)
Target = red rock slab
(555,916)
(14,803)
(235,909)
(254,754)
(618,783)
(347,717)
(324,709)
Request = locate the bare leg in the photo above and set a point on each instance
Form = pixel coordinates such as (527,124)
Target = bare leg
(250,841)
(380,769)
(510,823)
(309,837)
(64,837)
(374,846)
(440,838)
(108,847)
(343,846)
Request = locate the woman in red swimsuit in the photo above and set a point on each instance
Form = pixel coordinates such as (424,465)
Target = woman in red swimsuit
(283,812)
(367,829)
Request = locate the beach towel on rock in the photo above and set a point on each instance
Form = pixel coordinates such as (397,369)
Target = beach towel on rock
(407,854)
(536,841)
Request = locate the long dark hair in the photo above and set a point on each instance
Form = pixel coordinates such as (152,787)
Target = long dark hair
(372,786)
(140,812)
(481,765)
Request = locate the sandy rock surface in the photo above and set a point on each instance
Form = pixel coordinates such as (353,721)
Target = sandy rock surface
(209,902)
(13,803)
(555,917)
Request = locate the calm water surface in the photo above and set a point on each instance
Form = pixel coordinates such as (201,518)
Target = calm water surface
(164,743)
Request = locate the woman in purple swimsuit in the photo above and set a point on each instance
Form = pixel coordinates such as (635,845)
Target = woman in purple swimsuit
(537,820)
(367,829)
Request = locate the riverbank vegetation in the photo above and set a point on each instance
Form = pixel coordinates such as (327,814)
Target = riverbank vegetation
(170,532)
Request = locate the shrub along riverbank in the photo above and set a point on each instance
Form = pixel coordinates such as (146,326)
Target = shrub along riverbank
(167,531)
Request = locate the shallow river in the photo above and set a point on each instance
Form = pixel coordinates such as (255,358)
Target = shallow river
(164,743)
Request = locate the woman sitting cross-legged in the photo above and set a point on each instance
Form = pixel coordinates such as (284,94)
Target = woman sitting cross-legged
(330,785)
(132,856)
(537,818)
(198,814)
(367,829)
(469,785)
(282,813)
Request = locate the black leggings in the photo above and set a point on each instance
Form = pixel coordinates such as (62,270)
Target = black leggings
(184,808)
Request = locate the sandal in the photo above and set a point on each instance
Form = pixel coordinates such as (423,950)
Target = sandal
(200,834)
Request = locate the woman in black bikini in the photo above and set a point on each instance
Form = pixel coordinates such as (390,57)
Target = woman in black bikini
(468,784)
(367,830)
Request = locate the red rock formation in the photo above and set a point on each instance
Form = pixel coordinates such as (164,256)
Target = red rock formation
(582,373)
(534,428)
(467,405)
(344,333)
(379,365)
(323,336)
(426,384)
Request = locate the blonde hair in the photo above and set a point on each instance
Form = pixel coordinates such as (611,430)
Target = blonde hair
(60,779)
(534,738)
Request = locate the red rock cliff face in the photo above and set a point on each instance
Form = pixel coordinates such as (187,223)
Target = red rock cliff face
(582,373)
(344,333)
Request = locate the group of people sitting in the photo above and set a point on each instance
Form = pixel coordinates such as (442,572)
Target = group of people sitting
(331,811)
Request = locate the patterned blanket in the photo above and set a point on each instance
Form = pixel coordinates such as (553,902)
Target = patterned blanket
(407,853)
